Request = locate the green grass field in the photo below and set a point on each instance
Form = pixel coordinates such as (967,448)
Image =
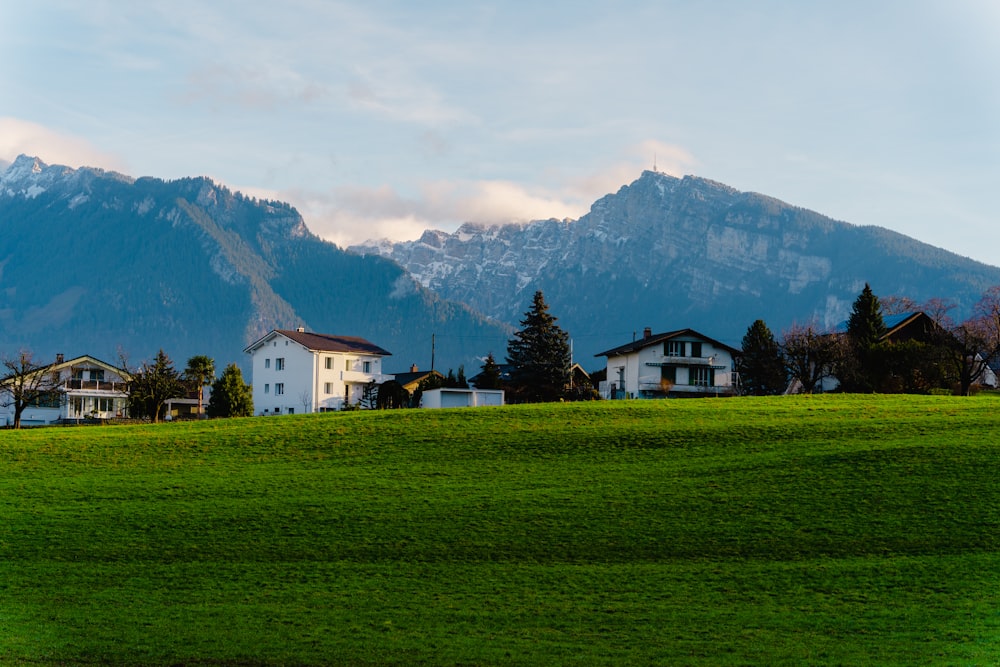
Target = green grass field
(785,531)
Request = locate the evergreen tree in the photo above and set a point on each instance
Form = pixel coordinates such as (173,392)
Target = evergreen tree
(762,371)
(865,325)
(540,355)
(152,386)
(861,369)
(231,396)
(490,376)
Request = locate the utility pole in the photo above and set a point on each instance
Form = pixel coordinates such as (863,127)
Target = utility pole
(432,351)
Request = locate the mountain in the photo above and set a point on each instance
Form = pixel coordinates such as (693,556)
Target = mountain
(94,262)
(671,253)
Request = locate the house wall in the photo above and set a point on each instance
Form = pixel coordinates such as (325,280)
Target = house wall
(308,385)
(294,378)
(643,371)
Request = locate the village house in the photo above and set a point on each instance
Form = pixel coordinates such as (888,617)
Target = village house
(410,381)
(299,371)
(83,388)
(675,364)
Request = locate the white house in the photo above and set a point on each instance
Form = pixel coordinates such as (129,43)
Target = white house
(83,388)
(300,371)
(676,363)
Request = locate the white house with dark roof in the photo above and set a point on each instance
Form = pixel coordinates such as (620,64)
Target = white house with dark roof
(675,363)
(295,371)
(82,388)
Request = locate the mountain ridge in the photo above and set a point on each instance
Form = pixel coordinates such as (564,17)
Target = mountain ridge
(669,253)
(96,262)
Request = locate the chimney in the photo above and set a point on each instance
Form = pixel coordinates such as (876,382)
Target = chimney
(300,329)
(647,332)
(59,358)
(413,368)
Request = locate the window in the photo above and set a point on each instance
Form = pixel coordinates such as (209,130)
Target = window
(267,363)
(279,364)
(695,349)
(327,388)
(291,411)
(675,348)
(329,364)
(267,388)
(347,364)
(97,375)
(701,376)
(368,366)
(279,388)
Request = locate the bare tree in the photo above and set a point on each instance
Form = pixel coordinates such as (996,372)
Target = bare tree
(26,383)
(808,354)
(897,305)
(306,399)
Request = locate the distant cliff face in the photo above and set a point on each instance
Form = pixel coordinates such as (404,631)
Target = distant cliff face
(93,262)
(670,253)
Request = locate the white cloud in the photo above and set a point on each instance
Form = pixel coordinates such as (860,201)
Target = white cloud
(20,136)
(352,214)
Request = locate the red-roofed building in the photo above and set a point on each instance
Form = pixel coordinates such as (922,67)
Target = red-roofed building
(300,371)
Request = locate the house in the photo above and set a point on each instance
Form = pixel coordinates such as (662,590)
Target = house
(447,397)
(899,328)
(300,371)
(411,381)
(676,363)
(82,388)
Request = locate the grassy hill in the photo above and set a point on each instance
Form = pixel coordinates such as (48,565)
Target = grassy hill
(812,530)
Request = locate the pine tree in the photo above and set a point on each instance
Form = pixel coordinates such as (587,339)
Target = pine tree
(152,386)
(231,396)
(489,378)
(540,355)
(762,371)
(861,369)
(865,325)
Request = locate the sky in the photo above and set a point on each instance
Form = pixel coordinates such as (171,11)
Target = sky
(382,118)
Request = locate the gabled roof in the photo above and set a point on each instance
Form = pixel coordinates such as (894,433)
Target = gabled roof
(657,339)
(409,378)
(317,342)
(86,359)
(894,324)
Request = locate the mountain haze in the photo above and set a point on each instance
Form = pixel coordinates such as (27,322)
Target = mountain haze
(94,262)
(671,253)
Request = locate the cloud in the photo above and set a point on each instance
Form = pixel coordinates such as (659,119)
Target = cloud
(20,136)
(352,214)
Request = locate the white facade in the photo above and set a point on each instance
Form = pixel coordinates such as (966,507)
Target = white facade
(87,388)
(445,397)
(677,363)
(297,371)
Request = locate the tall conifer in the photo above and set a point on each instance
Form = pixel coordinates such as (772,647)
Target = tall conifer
(540,355)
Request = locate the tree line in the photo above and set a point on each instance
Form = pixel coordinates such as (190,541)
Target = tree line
(938,353)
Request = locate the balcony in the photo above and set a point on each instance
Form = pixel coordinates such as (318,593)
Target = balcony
(95,385)
(655,387)
(664,360)
(357,377)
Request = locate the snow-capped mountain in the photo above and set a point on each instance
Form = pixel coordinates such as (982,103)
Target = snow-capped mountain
(94,262)
(670,253)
